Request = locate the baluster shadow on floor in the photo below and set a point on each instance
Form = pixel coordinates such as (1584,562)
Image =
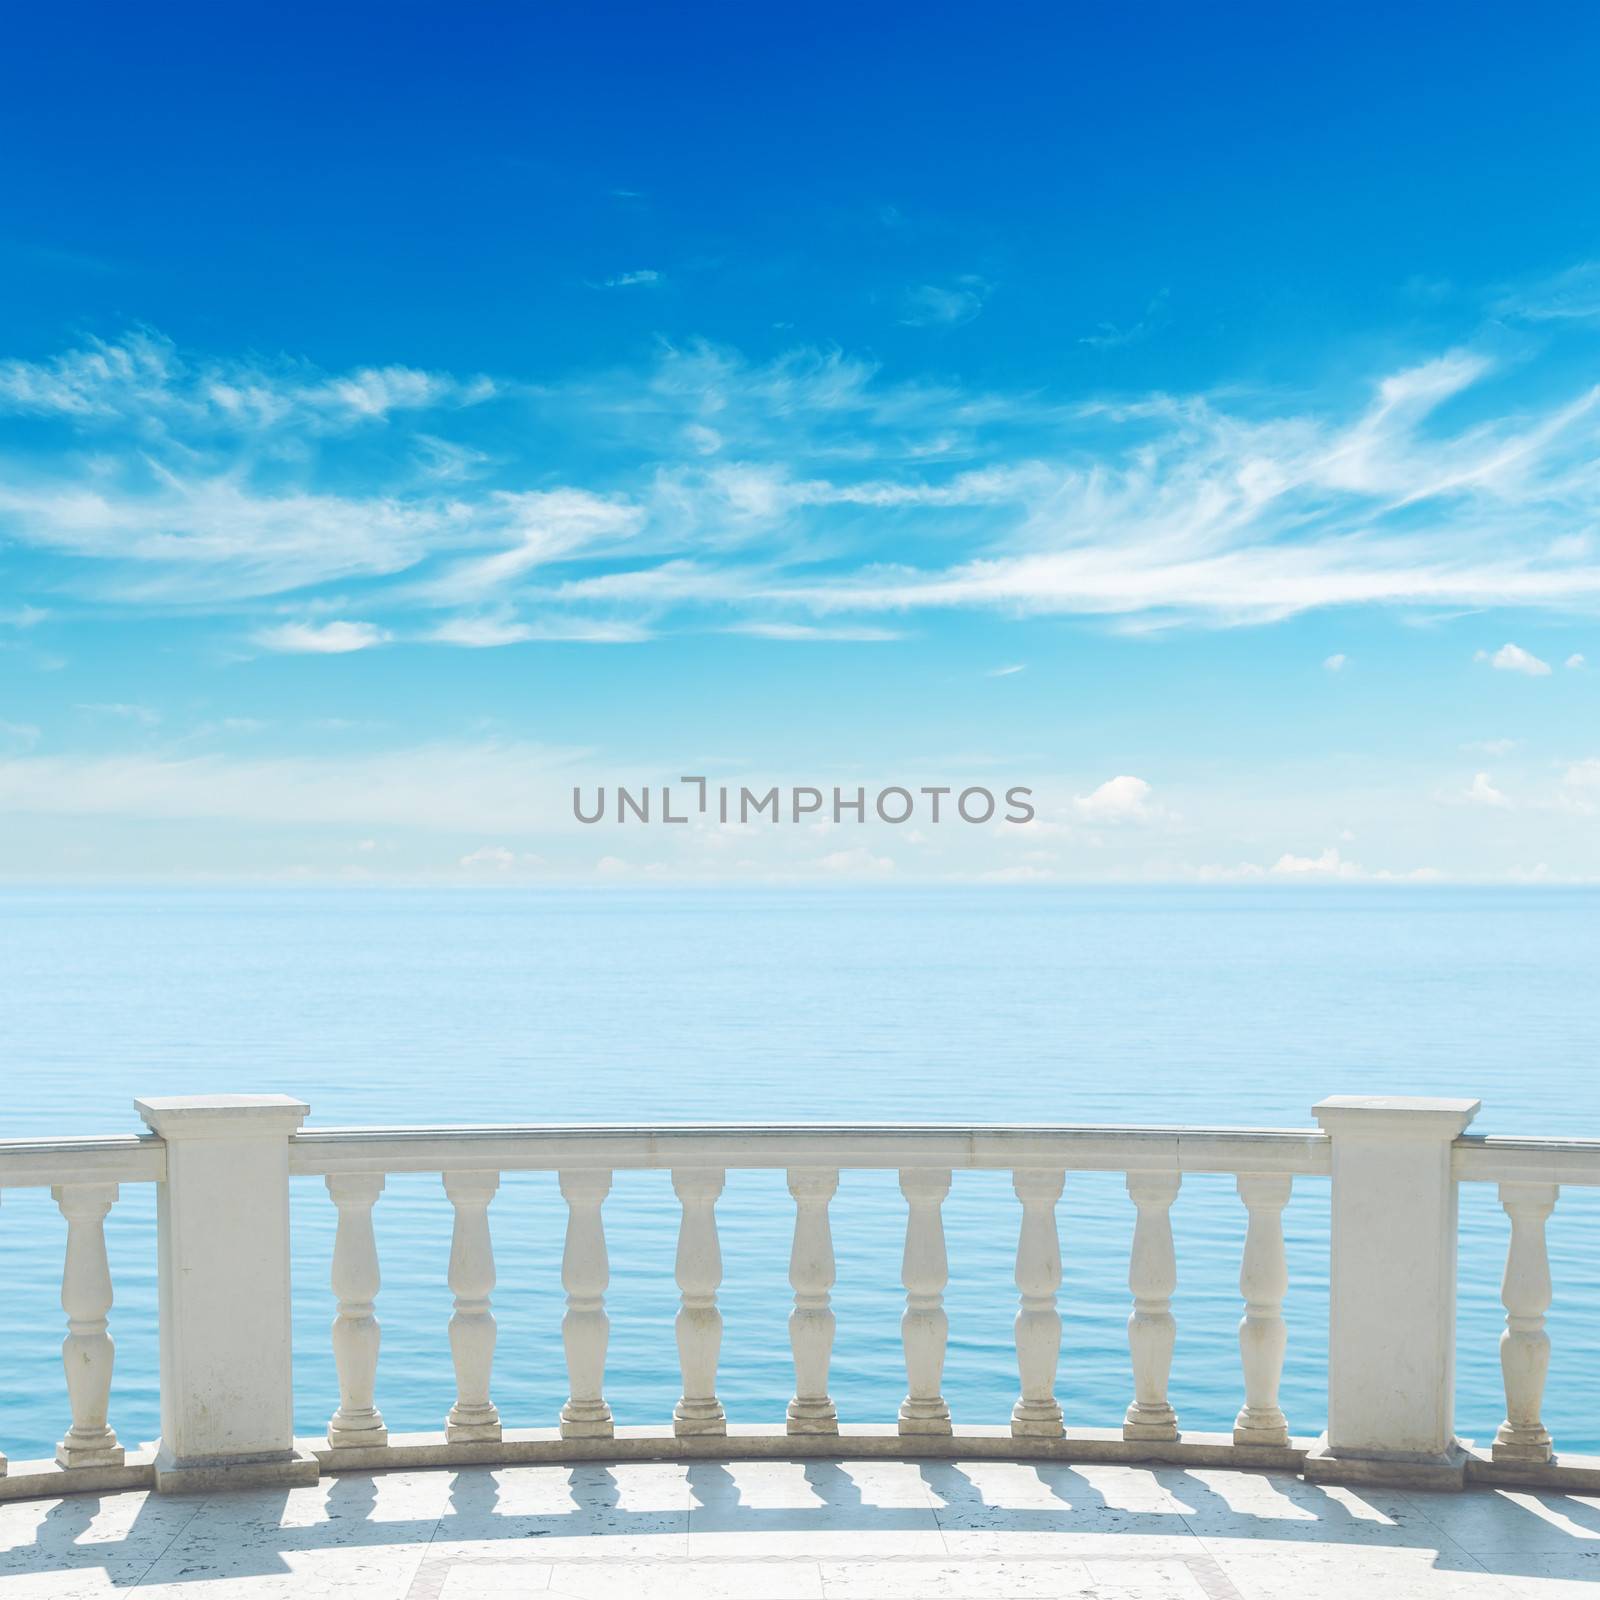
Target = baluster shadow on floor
(385,1536)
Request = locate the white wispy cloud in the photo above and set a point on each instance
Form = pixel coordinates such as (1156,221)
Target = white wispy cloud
(481,633)
(1121,799)
(485,632)
(1572,295)
(543,526)
(811,487)
(945,305)
(447,460)
(805,632)
(498,858)
(1329,864)
(857,862)
(321,638)
(1583,775)
(483,788)
(1110,336)
(667,584)
(145,379)
(821,407)
(1335,663)
(1513,658)
(145,716)
(1224,519)
(1482,792)
(212,539)
(639,278)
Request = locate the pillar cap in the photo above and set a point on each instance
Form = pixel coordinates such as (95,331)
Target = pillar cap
(222,1116)
(1395,1116)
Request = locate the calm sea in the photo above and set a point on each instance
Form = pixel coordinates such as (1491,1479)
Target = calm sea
(1210,1006)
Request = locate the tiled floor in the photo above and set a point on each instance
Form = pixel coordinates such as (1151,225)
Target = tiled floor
(818,1531)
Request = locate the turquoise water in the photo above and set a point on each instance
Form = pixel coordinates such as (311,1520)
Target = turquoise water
(1147,1006)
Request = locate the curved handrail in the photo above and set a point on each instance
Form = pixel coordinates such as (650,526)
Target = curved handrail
(1000,1147)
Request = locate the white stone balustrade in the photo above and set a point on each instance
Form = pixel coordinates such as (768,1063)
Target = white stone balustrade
(355,1279)
(222,1166)
(1263,1282)
(86,1352)
(1525,1346)
(473,1418)
(222,1238)
(924,1329)
(1392,1288)
(1152,1329)
(585,1329)
(699,1326)
(811,1322)
(1037,1413)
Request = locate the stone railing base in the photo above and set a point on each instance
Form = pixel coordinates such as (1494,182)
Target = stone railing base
(1566,1474)
(1445,1471)
(521,1446)
(313,1458)
(144,1469)
(44,1480)
(294,1470)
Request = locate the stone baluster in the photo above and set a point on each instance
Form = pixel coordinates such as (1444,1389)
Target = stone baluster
(1525,1346)
(585,1329)
(87,1351)
(1152,1276)
(1037,1414)
(472,1331)
(1263,1281)
(811,1322)
(357,1424)
(699,1325)
(924,1328)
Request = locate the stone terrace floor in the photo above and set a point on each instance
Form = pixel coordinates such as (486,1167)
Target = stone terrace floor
(775,1530)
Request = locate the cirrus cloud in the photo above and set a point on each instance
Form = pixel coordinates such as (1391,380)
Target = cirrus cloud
(810,490)
(321,638)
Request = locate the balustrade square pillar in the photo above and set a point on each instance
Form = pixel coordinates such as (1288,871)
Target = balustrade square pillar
(222,1221)
(1392,1292)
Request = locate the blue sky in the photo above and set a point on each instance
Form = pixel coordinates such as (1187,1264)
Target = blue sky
(409,412)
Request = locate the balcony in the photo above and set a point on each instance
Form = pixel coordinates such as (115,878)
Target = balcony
(1033,1503)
